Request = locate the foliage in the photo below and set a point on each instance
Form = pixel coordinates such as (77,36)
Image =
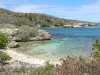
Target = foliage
(3,41)
(4,57)
(47,69)
(69,66)
(34,19)
(72,66)
(96,48)
(26,32)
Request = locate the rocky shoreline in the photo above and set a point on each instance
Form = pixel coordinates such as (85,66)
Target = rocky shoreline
(42,35)
(15,36)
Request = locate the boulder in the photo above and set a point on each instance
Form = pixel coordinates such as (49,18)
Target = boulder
(16,38)
(13,44)
(37,38)
(9,32)
(44,34)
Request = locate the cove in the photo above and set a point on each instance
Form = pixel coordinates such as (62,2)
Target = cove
(65,41)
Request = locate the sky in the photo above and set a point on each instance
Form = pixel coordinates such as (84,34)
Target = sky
(85,10)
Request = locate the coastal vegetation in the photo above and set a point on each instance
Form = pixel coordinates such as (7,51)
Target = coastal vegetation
(23,27)
(3,44)
(25,33)
(36,19)
(71,65)
(96,48)
(4,58)
(3,41)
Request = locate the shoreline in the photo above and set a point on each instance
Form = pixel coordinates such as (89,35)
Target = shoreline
(25,58)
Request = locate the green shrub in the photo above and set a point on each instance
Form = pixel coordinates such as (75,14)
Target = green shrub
(23,36)
(96,48)
(33,31)
(47,69)
(26,32)
(3,41)
(4,57)
(45,25)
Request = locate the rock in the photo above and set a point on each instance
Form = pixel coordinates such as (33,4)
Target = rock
(16,39)
(9,32)
(24,37)
(13,44)
(37,38)
(44,35)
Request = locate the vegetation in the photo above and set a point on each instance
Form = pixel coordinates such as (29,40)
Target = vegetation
(47,69)
(44,70)
(69,66)
(34,19)
(4,57)
(72,66)
(3,41)
(25,33)
(96,48)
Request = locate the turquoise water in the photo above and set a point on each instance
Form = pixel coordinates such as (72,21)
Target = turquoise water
(65,41)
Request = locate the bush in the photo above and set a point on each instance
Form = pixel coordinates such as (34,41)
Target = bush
(3,41)
(96,48)
(26,32)
(48,69)
(33,31)
(22,36)
(71,66)
(4,57)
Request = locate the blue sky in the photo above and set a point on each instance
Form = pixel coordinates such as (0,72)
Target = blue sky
(86,10)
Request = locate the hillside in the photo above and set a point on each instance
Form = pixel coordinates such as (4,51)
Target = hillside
(36,19)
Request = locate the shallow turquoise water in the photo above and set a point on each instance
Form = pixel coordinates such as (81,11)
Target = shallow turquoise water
(65,41)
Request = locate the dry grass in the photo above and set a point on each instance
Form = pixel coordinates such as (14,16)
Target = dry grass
(78,67)
(70,66)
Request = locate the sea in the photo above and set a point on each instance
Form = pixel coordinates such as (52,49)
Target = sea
(64,42)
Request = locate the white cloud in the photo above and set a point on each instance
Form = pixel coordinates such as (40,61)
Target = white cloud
(43,8)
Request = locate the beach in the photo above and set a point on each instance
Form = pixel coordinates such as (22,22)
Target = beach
(16,56)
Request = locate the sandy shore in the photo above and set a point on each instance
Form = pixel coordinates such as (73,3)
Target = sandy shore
(16,56)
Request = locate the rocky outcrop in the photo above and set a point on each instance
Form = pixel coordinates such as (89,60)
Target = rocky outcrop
(9,32)
(42,35)
(12,34)
(13,44)
(18,39)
